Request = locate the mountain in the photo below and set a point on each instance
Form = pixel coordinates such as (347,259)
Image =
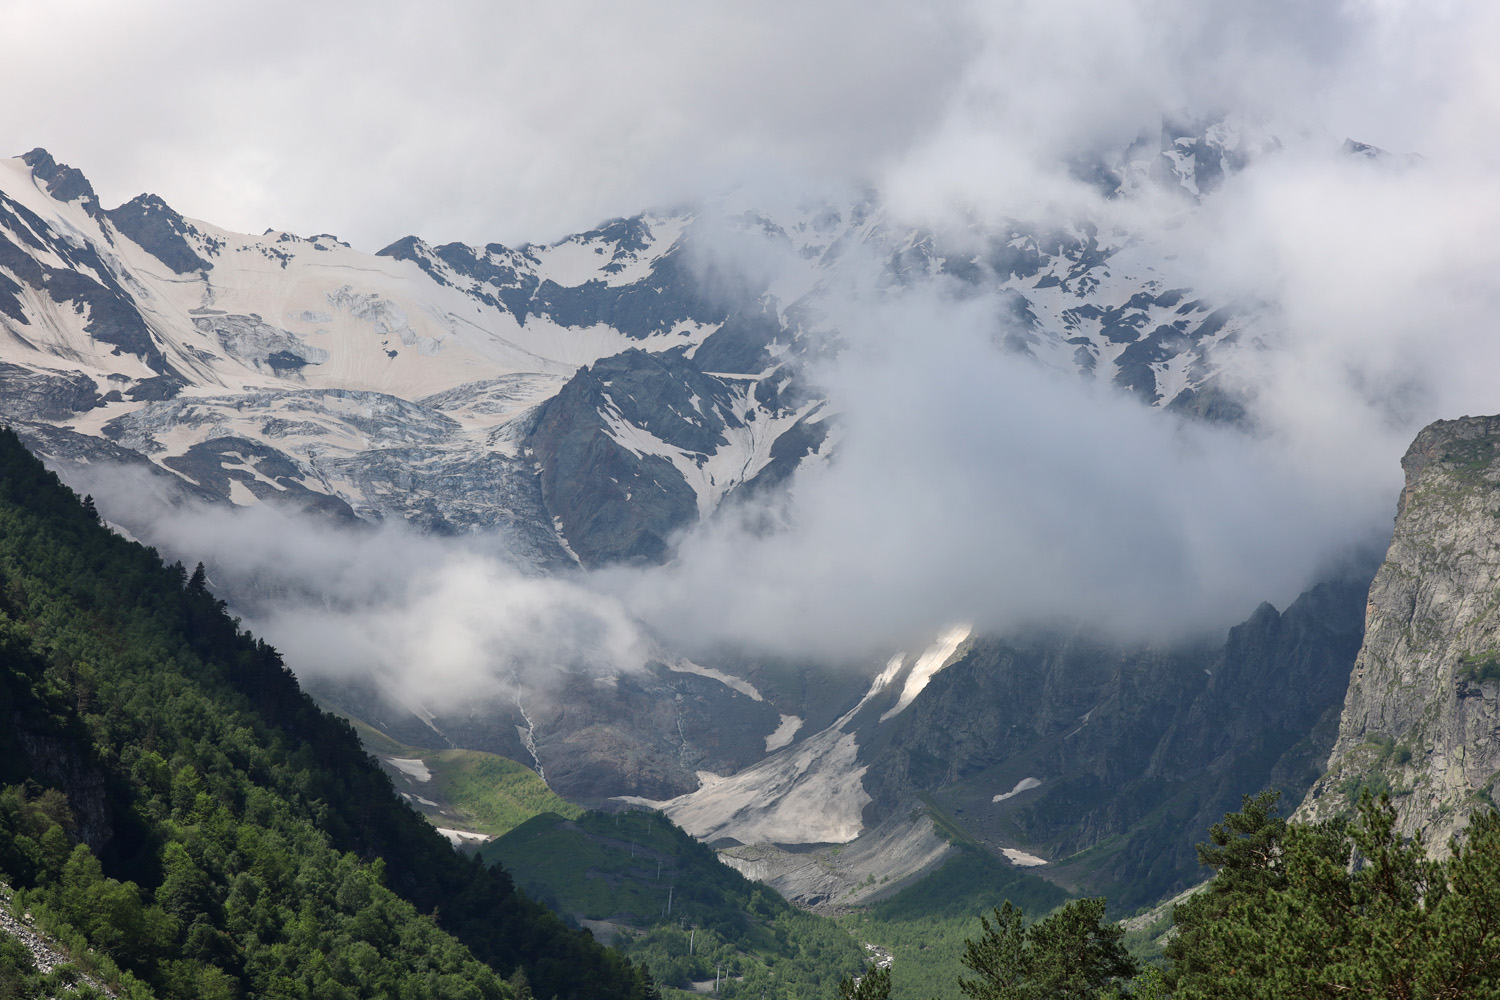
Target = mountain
(1095,765)
(1422,716)
(170,799)
(587,399)
(590,399)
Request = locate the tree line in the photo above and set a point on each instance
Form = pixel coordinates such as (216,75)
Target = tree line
(1342,908)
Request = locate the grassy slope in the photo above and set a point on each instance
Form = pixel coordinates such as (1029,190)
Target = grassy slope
(924,926)
(476,791)
(617,873)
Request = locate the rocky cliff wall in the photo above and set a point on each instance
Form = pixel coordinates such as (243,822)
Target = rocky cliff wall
(1422,714)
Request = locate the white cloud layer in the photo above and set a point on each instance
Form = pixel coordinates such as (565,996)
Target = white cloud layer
(969,486)
(507,122)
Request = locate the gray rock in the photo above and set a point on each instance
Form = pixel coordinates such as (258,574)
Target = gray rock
(1422,715)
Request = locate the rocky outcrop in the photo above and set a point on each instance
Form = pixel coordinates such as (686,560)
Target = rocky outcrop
(1422,714)
(46,955)
(160,231)
(1111,763)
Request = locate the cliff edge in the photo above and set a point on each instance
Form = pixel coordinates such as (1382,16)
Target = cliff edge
(1422,715)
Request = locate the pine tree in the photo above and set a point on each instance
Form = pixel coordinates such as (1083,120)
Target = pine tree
(1070,955)
(1340,908)
(873,985)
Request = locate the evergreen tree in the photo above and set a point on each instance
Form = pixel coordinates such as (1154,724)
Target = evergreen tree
(873,985)
(1070,955)
(1340,909)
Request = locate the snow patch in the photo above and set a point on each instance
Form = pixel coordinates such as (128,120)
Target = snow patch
(1025,784)
(410,766)
(743,687)
(938,656)
(1021,859)
(460,837)
(810,793)
(784,733)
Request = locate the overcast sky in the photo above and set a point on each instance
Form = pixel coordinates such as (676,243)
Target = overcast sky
(509,122)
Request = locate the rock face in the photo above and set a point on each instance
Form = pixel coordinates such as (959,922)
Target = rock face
(590,399)
(1112,763)
(1422,714)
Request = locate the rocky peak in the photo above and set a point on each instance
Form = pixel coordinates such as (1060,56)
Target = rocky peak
(1422,716)
(159,230)
(63,182)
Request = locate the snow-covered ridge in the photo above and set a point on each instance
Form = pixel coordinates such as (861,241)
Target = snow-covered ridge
(231,361)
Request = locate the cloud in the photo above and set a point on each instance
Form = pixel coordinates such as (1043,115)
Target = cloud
(463,120)
(509,122)
(969,484)
(441,623)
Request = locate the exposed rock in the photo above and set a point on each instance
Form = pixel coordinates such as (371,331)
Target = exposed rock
(46,954)
(63,182)
(647,734)
(616,504)
(1422,715)
(39,395)
(1135,753)
(156,228)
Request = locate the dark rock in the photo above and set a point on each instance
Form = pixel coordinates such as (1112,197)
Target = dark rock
(44,395)
(63,182)
(113,316)
(740,345)
(616,505)
(276,479)
(1138,751)
(157,388)
(156,228)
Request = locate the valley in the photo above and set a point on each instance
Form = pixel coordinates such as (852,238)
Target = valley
(457,485)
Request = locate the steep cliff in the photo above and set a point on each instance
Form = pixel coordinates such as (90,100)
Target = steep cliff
(1109,762)
(1422,714)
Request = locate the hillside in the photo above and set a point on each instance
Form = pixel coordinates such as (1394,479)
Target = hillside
(670,904)
(468,795)
(171,799)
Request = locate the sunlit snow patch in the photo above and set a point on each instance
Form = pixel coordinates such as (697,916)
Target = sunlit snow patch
(784,733)
(1021,859)
(928,664)
(411,766)
(811,793)
(1021,786)
(460,837)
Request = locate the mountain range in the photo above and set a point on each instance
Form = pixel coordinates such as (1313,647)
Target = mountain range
(590,400)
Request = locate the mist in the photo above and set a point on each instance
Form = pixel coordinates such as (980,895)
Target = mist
(970,483)
(438,624)
(966,483)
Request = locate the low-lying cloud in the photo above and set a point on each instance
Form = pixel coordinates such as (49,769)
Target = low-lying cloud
(968,483)
(440,623)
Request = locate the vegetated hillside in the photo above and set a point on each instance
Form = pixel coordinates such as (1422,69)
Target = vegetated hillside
(674,907)
(169,796)
(923,927)
(468,790)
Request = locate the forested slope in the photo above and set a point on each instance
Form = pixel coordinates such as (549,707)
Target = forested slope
(171,797)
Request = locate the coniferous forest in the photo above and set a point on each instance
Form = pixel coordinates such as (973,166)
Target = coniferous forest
(187,823)
(174,808)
